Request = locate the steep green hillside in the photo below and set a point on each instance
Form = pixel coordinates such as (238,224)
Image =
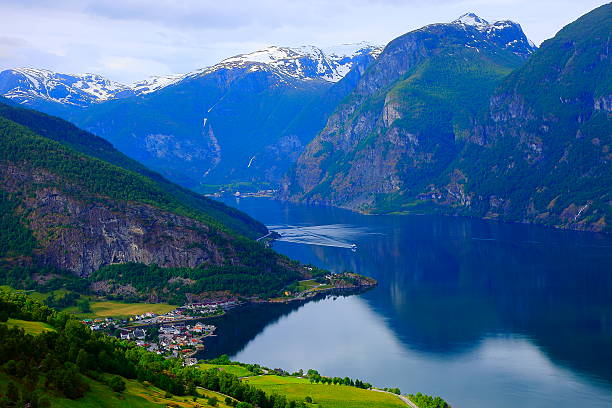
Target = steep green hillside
(542,152)
(69,211)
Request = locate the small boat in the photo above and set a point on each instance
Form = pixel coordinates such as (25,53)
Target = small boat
(353,247)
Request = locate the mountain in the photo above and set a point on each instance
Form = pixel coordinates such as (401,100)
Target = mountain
(71,202)
(308,62)
(32,87)
(245,119)
(542,152)
(45,89)
(465,118)
(399,126)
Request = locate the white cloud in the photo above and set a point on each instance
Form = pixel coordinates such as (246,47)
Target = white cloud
(131,39)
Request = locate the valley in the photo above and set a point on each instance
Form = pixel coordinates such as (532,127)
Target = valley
(422,224)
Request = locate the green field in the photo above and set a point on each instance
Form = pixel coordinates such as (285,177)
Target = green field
(30,327)
(306,284)
(121,309)
(327,396)
(237,370)
(104,308)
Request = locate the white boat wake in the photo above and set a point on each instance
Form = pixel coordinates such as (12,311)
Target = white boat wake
(333,235)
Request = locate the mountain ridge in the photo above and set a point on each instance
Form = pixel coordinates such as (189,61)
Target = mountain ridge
(306,62)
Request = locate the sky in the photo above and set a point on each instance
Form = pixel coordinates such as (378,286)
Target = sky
(129,40)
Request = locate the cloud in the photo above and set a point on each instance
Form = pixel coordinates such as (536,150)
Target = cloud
(131,39)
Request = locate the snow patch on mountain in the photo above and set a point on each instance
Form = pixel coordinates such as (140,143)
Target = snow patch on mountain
(471,19)
(307,62)
(155,83)
(28,85)
(504,32)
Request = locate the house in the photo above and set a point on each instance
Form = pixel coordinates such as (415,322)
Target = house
(190,361)
(139,334)
(126,335)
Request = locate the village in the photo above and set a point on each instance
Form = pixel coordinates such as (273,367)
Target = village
(177,333)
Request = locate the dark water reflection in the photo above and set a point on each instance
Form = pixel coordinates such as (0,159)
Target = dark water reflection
(483,313)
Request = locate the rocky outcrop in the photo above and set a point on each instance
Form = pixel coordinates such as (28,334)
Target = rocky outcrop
(81,234)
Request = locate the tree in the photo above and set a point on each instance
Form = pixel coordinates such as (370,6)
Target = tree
(82,360)
(116,384)
(212,401)
(84,306)
(12,392)
(3,316)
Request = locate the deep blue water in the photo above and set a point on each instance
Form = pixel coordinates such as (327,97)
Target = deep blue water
(484,314)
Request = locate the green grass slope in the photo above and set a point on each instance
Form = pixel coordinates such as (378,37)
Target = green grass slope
(328,396)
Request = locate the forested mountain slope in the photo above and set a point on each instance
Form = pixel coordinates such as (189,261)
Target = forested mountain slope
(61,131)
(66,210)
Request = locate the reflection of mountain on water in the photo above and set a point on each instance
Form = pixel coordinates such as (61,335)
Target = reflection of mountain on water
(237,328)
(447,283)
(241,325)
(442,292)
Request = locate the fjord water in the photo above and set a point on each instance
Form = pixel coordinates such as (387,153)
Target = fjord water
(484,314)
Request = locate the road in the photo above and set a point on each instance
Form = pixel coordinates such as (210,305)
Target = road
(403,398)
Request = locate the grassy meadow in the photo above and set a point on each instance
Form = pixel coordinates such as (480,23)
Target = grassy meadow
(236,370)
(327,396)
(29,327)
(122,309)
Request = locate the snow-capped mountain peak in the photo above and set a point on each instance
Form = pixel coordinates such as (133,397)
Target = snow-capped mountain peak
(28,85)
(471,19)
(155,83)
(306,62)
(504,33)
(25,84)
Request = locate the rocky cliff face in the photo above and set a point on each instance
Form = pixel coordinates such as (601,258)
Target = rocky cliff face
(81,235)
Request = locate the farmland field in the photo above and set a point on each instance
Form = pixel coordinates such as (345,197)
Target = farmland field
(30,327)
(121,309)
(236,370)
(328,396)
